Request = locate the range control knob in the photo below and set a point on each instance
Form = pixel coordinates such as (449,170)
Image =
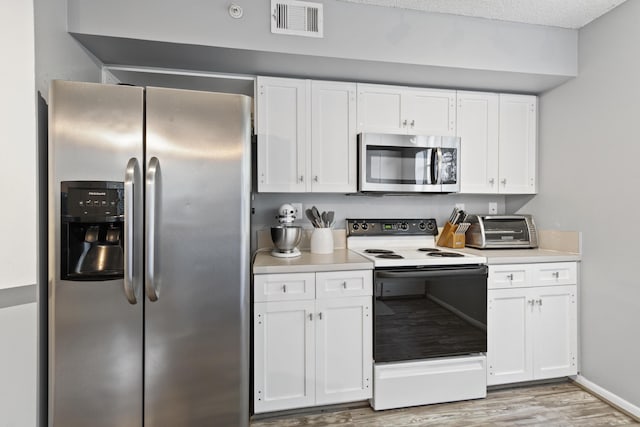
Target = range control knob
(404,226)
(431,225)
(365,226)
(355,227)
(422,226)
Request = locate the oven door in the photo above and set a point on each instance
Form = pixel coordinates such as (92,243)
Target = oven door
(408,163)
(429,312)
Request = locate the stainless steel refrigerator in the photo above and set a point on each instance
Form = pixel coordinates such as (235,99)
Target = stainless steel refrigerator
(149,193)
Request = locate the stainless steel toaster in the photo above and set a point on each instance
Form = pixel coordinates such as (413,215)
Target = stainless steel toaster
(501,232)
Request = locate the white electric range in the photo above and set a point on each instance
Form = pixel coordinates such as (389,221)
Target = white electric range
(430,314)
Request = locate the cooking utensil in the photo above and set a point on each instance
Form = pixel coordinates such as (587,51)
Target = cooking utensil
(316,215)
(311,218)
(330,216)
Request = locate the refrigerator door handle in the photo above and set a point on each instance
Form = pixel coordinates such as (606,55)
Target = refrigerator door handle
(130,189)
(153,186)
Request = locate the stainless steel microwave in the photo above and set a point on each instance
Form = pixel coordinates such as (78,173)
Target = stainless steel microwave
(501,232)
(408,163)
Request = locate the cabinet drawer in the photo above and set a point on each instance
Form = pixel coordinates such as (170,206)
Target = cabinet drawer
(509,276)
(343,283)
(283,287)
(555,273)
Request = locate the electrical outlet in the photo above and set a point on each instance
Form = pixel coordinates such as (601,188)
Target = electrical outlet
(460,206)
(493,208)
(298,208)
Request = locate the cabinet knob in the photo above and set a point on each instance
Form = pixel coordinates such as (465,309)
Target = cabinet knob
(530,302)
(510,277)
(556,274)
(320,315)
(301,178)
(491,181)
(404,123)
(315,178)
(504,181)
(539,302)
(413,123)
(284,289)
(344,285)
(310,316)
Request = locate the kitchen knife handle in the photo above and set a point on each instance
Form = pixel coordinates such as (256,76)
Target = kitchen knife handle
(153,187)
(130,189)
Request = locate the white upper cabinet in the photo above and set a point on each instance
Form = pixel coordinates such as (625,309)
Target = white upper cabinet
(282,134)
(498,143)
(398,109)
(518,133)
(333,137)
(477,122)
(306,136)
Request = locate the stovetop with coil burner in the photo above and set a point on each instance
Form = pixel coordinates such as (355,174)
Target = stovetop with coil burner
(402,242)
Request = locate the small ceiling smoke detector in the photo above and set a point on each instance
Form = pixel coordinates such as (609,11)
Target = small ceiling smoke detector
(235,11)
(297,18)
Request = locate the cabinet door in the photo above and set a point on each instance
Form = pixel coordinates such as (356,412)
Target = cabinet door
(284,358)
(429,112)
(343,350)
(509,340)
(517,140)
(282,117)
(333,137)
(477,127)
(555,332)
(380,109)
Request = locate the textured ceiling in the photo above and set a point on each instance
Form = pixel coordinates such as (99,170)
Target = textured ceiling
(555,13)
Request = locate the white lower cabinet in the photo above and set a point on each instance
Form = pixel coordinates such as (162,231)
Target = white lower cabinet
(315,350)
(531,327)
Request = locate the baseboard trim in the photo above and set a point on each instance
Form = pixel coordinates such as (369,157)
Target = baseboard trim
(614,400)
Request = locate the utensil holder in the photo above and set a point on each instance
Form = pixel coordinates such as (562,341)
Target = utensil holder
(322,241)
(449,239)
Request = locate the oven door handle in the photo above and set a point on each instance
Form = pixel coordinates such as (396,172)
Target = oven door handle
(419,274)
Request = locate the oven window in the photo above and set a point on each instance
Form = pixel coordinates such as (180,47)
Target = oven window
(419,318)
(400,165)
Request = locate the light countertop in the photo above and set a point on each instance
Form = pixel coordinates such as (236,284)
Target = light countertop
(340,260)
(522,256)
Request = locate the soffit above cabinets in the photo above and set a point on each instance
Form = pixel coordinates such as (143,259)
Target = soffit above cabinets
(572,14)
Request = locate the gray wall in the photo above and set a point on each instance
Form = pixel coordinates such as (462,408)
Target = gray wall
(437,206)
(589,151)
(364,43)
(58,55)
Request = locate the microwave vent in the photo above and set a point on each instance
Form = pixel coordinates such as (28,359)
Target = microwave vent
(297,18)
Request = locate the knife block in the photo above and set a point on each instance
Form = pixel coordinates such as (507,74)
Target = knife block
(448,237)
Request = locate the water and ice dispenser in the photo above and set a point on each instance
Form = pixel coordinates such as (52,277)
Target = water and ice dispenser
(92,230)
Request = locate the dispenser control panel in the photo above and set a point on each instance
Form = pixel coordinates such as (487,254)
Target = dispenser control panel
(92,199)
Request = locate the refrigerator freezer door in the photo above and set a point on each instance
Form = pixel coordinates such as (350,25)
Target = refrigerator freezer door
(196,307)
(95,333)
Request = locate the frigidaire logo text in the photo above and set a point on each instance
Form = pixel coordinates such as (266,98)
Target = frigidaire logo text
(97,193)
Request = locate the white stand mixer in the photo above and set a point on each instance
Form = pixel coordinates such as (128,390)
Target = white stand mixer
(286,236)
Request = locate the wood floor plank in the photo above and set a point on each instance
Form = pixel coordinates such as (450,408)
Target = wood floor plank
(557,405)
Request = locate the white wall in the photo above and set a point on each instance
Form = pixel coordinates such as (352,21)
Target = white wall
(589,180)
(18,366)
(18,145)
(18,219)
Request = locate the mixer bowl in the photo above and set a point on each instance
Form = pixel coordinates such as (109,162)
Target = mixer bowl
(286,237)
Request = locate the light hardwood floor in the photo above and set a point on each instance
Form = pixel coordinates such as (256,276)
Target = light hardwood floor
(558,404)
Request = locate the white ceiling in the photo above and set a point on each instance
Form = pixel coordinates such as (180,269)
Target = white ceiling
(556,13)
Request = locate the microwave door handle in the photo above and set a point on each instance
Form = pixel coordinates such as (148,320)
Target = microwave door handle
(439,155)
(433,169)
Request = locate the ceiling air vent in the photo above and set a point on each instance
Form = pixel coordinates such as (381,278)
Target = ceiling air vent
(298,18)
